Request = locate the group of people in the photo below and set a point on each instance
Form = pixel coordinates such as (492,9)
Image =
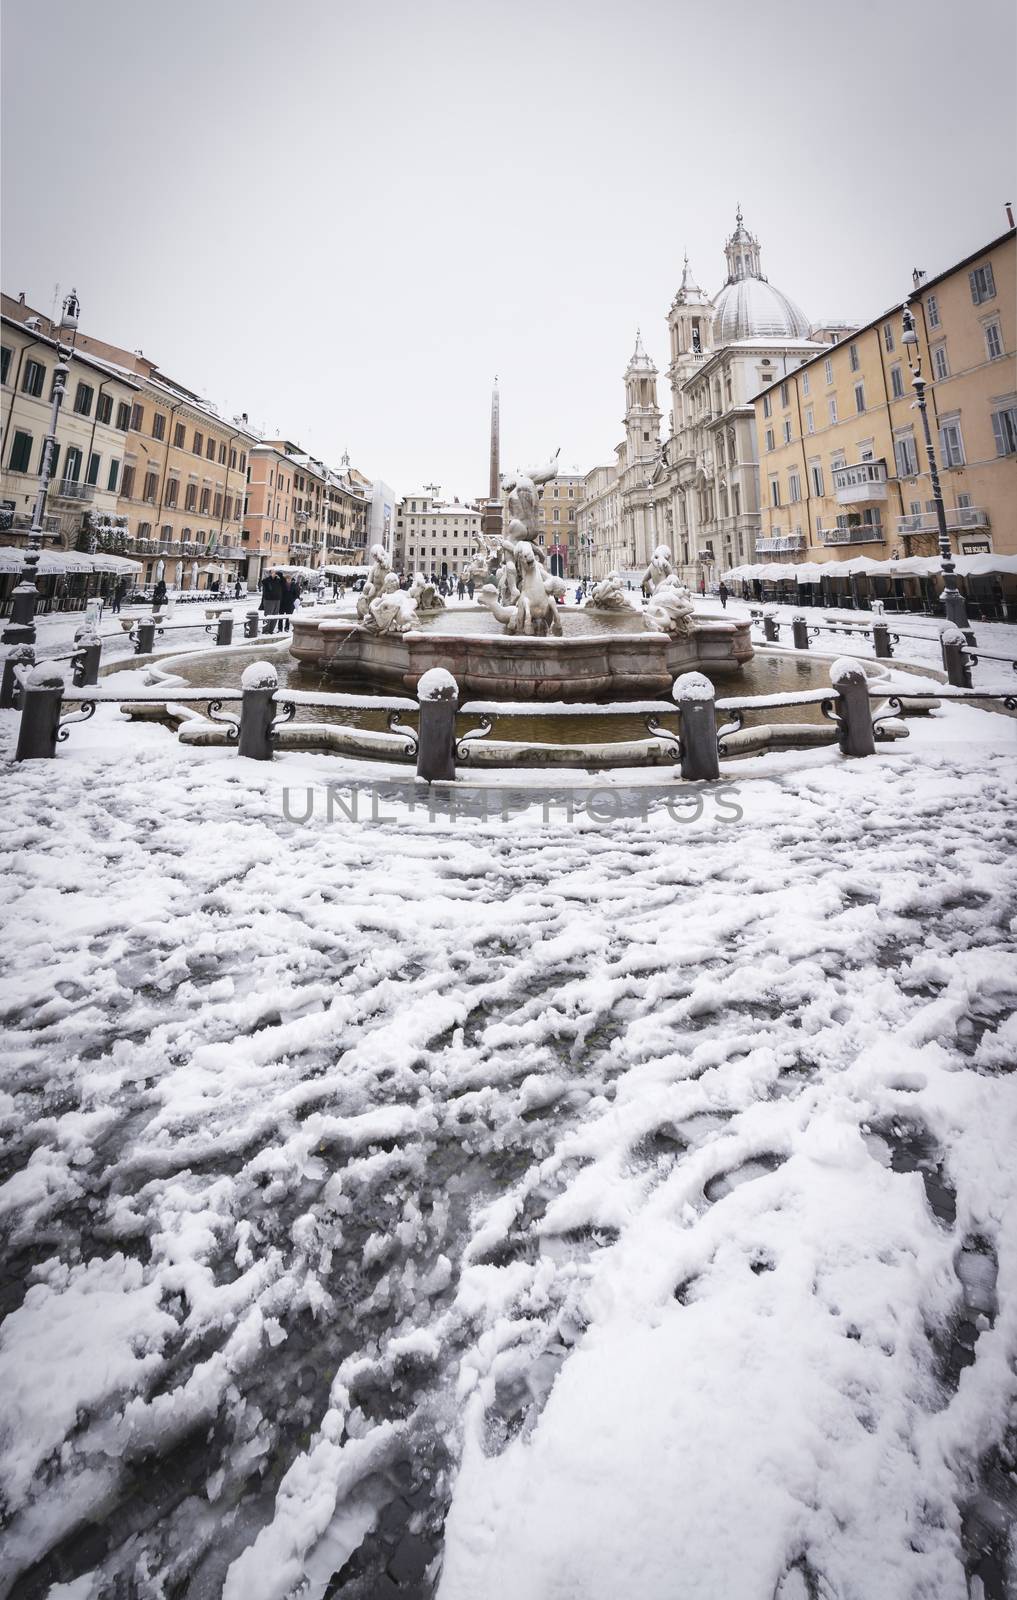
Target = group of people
(279,594)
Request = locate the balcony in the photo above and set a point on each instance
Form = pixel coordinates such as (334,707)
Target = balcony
(957,519)
(864,533)
(21,521)
(70,489)
(861,485)
(781,544)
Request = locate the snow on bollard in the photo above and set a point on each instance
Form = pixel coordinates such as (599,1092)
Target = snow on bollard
(86,657)
(771,632)
(20,657)
(800,633)
(251,622)
(257,711)
(881,640)
(854,709)
(41,700)
(693,694)
(438,694)
(144,639)
(224,631)
(955,662)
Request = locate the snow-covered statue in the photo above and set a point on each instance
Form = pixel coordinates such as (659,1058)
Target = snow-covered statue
(670,608)
(608,595)
(381,567)
(424,594)
(391,611)
(520,491)
(535,610)
(661,567)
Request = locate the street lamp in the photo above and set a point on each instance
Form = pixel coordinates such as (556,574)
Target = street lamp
(26,596)
(953,600)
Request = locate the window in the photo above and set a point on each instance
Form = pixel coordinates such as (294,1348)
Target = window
(888,337)
(158,425)
(21,452)
(932,310)
(114,474)
(859,397)
(767,406)
(951,444)
(897,381)
(783,394)
(794,488)
(5,361)
(805,383)
(983,285)
(828,371)
(1004,427)
(855,361)
(940,365)
(172,491)
(243,463)
(810,420)
(179,436)
(831,406)
(123,416)
(775,491)
(34,379)
(210,450)
(993,341)
(233,462)
(769,438)
(198,442)
(92,476)
(104,410)
(137,418)
(151,485)
(222,455)
(191,497)
(787,430)
(83,397)
(206,495)
(72,465)
(127,487)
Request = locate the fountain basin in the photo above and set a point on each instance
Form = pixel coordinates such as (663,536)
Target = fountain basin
(598,657)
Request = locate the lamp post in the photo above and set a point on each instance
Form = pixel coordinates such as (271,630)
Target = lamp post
(953,600)
(26,596)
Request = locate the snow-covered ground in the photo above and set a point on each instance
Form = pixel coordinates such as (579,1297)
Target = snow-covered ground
(528,1209)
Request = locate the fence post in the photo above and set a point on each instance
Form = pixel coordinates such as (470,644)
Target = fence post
(955,662)
(86,657)
(698,723)
(438,694)
(21,628)
(881,641)
(770,630)
(849,679)
(21,656)
(800,633)
(144,640)
(224,631)
(257,710)
(251,625)
(41,700)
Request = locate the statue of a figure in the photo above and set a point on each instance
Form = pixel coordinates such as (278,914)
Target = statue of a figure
(535,610)
(670,608)
(425,594)
(381,567)
(661,567)
(519,490)
(608,595)
(391,611)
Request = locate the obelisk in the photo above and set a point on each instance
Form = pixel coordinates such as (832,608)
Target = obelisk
(490,522)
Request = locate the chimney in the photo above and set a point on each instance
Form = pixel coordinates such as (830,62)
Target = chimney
(243,416)
(21,294)
(1009,216)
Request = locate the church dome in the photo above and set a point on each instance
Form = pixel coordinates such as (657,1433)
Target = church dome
(748,307)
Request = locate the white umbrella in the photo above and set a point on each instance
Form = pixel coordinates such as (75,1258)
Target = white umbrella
(160,571)
(194,574)
(178,575)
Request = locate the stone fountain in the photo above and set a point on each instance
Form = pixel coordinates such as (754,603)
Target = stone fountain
(519,642)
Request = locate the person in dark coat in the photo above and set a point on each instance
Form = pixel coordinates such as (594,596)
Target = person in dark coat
(271,595)
(288,600)
(723,591)
(159,593)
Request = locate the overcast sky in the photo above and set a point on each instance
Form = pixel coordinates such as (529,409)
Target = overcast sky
(344,218)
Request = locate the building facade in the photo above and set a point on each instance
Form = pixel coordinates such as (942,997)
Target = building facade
(602,546)
(558,528)
(434,536)
(843,461)
(299,512)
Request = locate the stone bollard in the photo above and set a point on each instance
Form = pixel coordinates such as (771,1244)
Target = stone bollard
(22,656)
(771,632)
(257,712)
(224,631)
(144,639)
(41,700)
(438,694)
(21,628)
(881,641)
(86,657)
(955,662)
(251,622)
(854,708)
(698,724)
(800,633)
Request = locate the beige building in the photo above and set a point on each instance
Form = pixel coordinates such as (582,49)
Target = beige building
(300,512)
(843,463)
(603,547)
(434,536)
(559,530)
(92,434)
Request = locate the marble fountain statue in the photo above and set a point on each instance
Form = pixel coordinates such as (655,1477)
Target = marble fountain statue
(518,641)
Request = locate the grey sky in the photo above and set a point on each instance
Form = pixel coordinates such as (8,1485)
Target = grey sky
(345,218)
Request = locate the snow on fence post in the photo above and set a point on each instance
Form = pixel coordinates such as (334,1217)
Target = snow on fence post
(697,714)
(257,710)
(224,631)
(881,641)
(800,633)
(41,700)
(144,639)
(21,656)
(854,708)
(771,632)
(438,694)
(955,662)
(86,657)
(251,625)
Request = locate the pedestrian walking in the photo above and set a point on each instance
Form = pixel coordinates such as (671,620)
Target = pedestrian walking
(723,591)
(287,601)
(470,587)
(159,593)
(271,593)
(460,590)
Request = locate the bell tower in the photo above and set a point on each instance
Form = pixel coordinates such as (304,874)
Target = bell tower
(642,413)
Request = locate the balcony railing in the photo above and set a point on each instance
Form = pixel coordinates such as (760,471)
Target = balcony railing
(787,542)
(957,517)
(865,533)
(860,485)
(18,521)
(69,489)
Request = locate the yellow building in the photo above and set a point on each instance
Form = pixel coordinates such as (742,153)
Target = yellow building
(842,462)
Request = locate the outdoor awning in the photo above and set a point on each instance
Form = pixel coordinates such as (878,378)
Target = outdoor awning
(56,563)
(346,572)
(864,566)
